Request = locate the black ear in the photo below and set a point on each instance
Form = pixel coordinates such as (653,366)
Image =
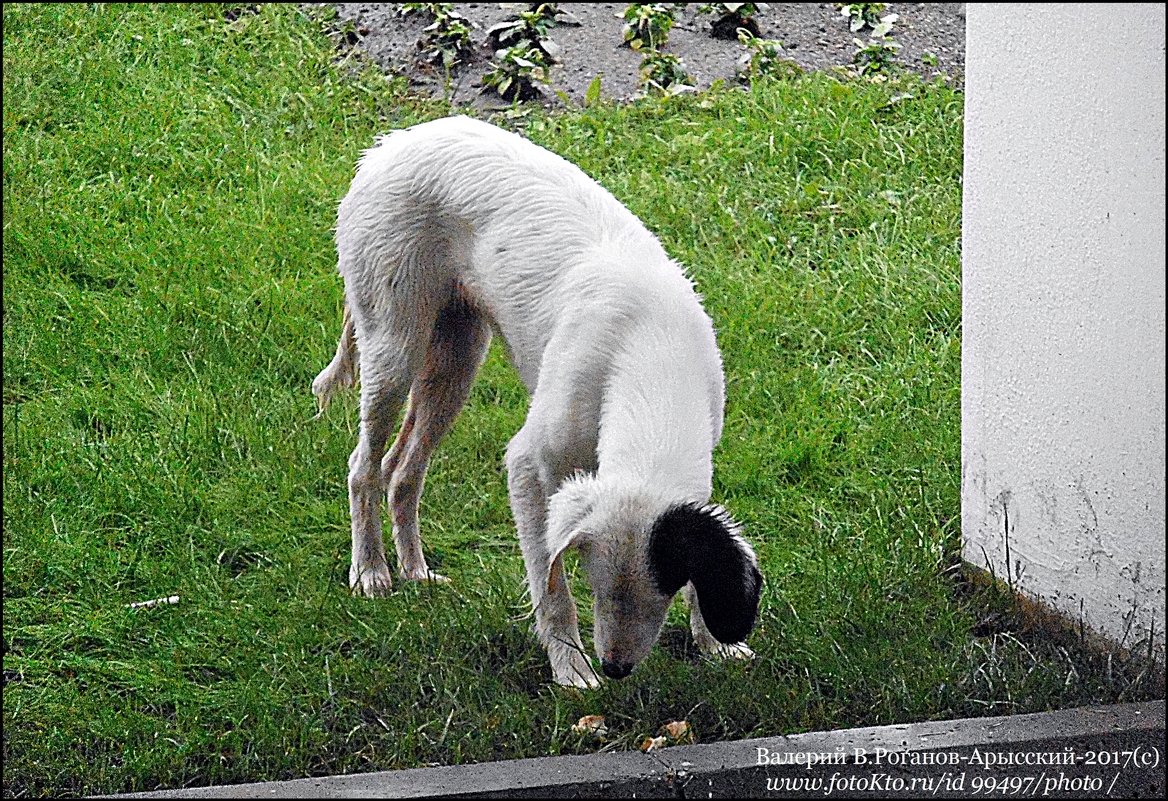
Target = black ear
(703,544)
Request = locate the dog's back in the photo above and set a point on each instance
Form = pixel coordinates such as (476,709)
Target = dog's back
(461,206)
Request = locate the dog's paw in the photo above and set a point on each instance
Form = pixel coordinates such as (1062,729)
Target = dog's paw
(322,389)
(738,650)
(580,678)
(327,383)
(370,581)
(712,648)
(425,575)
(572,668)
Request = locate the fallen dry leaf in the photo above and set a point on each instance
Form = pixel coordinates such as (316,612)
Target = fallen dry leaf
(650,743)
(591,724)
(678,730)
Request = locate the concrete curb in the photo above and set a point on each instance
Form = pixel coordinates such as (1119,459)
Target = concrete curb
(1105,751)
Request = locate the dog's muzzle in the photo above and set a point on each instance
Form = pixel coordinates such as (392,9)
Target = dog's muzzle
(615,670)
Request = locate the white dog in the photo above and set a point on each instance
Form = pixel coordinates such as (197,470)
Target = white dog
(454,228)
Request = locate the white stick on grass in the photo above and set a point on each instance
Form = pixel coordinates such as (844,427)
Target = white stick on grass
(172,599)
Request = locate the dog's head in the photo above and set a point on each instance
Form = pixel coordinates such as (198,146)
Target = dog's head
(638,552)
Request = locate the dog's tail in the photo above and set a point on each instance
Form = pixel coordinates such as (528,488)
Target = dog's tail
(342,370)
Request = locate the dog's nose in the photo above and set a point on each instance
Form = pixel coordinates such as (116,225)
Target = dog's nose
(615,670)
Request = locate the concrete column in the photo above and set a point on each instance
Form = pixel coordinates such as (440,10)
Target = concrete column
(1062,400)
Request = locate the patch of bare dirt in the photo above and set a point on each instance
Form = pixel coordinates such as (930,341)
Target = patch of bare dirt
(814,35)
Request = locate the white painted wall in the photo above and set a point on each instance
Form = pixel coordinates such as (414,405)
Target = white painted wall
(1062,402)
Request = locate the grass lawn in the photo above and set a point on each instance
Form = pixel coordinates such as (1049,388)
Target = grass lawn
(170,184)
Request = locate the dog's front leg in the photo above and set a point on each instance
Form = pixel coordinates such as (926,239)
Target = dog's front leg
(705,641)
(556,622)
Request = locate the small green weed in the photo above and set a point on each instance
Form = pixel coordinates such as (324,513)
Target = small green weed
(515,71)
(428,9)
(524,53)
(664,73)
(647,25)
(447,39)
(875,57)
(764,58)
(528,29)
(860,15)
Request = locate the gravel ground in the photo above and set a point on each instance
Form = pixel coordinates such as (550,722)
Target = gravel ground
(813,34)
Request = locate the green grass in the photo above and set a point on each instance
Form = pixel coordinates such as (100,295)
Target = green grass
(170,183)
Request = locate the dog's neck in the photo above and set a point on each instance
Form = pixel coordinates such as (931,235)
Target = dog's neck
(656,428)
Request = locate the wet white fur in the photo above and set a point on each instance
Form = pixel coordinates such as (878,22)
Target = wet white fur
(605,331)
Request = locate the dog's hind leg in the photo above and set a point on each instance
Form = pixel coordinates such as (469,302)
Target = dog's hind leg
(390,356)
(342,370)
(457,347)
(380,400)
